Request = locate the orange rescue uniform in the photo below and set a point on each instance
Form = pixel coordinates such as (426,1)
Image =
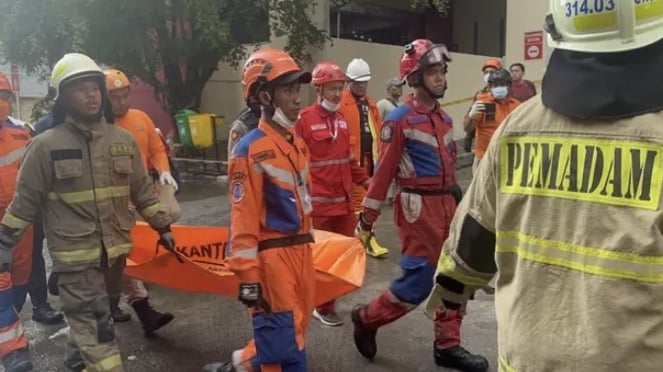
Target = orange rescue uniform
(270,232)
(13,140)
(485,129)
(350,111)
(147,138)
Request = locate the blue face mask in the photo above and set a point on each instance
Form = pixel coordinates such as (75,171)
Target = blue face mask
(499,92)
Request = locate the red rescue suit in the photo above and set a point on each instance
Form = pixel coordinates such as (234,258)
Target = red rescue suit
(417,149)
(334,170)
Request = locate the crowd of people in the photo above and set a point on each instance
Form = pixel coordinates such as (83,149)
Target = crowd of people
(562,220)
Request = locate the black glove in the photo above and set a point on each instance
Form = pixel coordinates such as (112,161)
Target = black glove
(468,143)
(250,294)
(456,192)
(6,252)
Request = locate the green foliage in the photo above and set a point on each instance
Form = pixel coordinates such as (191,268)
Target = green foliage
(442,6)
(174,45)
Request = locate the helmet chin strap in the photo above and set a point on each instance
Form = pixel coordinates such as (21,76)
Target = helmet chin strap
(418,82)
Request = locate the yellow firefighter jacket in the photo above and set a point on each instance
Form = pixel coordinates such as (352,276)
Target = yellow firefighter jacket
(575,212)
(81,178)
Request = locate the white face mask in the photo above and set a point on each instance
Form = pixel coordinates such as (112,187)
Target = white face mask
(500,92)
(485,77)
(282,120)
(331,107)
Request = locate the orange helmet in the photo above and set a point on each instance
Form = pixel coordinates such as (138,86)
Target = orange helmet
(327,72)
(4,83)
(116,79)
(269,65)
(492,62)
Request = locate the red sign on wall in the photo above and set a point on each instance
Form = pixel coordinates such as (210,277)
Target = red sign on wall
(16,81)
(533,45)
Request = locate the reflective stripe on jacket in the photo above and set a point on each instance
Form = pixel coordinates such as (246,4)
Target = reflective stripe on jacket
(333,167)
(81,178)
(269,187)
(569,213)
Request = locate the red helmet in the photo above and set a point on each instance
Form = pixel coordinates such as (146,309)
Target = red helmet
(422,53)
(269,64)
(327,72)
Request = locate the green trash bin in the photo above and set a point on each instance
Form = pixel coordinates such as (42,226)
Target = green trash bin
(183,129)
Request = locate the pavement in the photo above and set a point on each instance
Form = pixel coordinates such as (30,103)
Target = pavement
(208,328)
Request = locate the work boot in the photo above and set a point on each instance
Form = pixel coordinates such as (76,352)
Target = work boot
(118,315)
(330,319)
(45,314)
(53,284)
(456,357)
(151,319)
(364,337)
(18,361)
(374,249)
(76,366)
(219,367)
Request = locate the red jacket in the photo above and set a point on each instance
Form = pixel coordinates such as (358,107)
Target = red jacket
(333,167)
(416,148)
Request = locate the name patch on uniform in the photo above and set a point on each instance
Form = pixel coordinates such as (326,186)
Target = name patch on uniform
(264,155)
(237,192)
(387,132)
(613,172)
(66,154)
(318,126)
(419,119)
(22,137)
(121,149)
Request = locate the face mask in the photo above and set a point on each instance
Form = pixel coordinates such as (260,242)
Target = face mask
(5,107)
(485,77)
(331,107)
(500,92)
(282,120)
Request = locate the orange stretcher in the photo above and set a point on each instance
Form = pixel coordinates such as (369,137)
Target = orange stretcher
(200,267)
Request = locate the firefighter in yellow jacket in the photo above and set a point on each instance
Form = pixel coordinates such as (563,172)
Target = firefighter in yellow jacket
(567,203)
(80,176)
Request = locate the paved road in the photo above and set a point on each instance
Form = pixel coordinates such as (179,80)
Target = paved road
(209,328)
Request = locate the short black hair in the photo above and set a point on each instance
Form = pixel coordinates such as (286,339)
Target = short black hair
(522,67)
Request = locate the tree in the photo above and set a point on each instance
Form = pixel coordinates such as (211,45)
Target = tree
(173,45)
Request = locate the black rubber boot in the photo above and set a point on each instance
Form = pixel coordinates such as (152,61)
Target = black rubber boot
(118,315)
(151,319)
(364,337)
(53,284)
(45,314)
(18,361)
(457,357)
(219,367)
(76,366)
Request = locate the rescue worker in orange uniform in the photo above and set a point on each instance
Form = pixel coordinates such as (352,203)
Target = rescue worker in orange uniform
(489,111)
(270,225)
(16,263)
(154,156)
(334,170)
(364,123)
(488,66)
(417,149)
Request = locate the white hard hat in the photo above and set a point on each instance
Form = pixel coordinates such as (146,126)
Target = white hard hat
(358,70)
(603,26)
(73,66)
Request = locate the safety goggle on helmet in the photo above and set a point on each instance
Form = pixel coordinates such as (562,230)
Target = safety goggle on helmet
(422,53)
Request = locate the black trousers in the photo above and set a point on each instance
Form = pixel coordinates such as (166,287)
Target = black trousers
(37,287)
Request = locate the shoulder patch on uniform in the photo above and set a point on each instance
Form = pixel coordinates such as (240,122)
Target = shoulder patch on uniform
(242,147)
(121,149)
(387,132)
(263,155)
(397,114)
(237,192)
(418,119)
